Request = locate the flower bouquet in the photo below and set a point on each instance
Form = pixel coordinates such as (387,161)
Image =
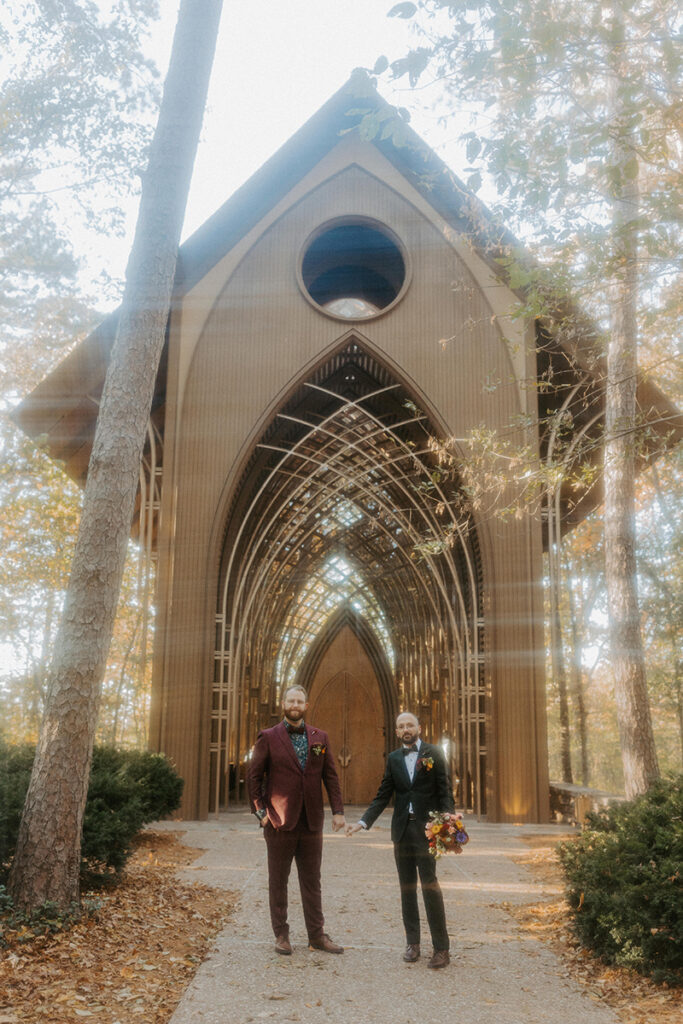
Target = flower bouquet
(446,833)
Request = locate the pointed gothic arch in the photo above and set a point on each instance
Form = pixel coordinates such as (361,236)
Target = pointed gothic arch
(346,617)
(342,484)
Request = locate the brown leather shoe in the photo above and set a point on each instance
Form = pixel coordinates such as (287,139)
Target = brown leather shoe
(412,952)
(282,945)
(326,944)
(439,958)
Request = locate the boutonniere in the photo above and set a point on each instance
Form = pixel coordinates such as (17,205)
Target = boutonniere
(425,762)
(318,749)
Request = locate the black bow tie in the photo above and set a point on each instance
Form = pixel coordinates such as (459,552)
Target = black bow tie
(410,750)
(297,730)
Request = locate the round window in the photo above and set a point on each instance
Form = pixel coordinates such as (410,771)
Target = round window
(353,270)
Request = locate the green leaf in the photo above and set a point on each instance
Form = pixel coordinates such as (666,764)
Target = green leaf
(630,169)
(474,182)
(381,65)
(473,148)
(413,65)
(405,10)
(369,127)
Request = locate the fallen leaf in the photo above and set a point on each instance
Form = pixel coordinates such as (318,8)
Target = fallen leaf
(132,963)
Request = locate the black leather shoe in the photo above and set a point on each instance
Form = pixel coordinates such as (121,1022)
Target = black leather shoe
(282,945)
(412,952)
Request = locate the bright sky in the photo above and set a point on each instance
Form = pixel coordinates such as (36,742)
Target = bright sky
(276,64)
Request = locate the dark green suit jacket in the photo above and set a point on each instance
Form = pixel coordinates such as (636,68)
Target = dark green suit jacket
(430,789)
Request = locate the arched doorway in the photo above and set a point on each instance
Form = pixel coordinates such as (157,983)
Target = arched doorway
(341,511)
(352,697)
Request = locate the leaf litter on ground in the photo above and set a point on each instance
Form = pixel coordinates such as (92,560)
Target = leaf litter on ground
(636,999)
(130,960)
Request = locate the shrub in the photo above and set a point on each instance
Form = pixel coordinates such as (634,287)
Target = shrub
(127,789)
(159,785)
(624,882)
(15,772)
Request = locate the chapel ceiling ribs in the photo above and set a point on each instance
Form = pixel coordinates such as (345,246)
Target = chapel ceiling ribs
(338,510)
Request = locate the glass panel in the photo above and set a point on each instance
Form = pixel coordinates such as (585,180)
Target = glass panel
(351,309)
(336,584)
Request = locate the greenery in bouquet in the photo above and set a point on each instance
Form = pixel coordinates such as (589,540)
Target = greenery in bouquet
(445,833)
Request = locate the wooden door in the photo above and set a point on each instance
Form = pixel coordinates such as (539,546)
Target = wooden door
(345,700)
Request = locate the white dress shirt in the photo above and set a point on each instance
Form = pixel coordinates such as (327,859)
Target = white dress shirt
(411,761)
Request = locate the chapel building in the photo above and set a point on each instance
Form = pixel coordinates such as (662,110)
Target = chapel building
(344,309)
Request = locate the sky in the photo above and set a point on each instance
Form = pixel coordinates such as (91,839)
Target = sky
(276,63)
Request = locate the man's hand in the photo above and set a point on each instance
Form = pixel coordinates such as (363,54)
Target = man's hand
(338,822)
(350,829)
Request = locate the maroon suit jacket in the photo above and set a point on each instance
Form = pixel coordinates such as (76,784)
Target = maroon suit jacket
(276,781)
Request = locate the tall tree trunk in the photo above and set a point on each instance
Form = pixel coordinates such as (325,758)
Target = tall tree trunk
(47,859)
(118,695)
(673,614)
(678,690)
(626,650)
(578,697)
(556,645)
(560,676)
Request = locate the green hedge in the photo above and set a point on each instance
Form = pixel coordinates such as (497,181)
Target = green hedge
(15,771)
(127,789)
(625,882)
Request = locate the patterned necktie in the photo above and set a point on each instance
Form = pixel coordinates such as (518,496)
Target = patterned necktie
(299,742)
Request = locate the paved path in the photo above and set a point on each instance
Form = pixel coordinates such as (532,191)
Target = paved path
(497,974)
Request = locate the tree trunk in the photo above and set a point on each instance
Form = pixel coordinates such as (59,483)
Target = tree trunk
(626,650)
(118,697)
(556,645)
(578,697)
(47,859)
(672,615)
(560,676)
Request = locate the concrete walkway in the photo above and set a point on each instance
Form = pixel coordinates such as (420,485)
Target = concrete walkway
(497,974)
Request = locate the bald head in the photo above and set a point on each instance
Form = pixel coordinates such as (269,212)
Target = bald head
(408,728)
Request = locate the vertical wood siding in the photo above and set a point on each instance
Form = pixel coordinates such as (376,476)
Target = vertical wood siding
(260,336)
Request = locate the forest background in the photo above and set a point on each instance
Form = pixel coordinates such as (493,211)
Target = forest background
(78,104)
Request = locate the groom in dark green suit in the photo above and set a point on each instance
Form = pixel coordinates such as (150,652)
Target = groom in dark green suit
(416,776)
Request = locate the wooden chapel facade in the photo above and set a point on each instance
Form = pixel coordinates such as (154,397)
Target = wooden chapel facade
(342,308)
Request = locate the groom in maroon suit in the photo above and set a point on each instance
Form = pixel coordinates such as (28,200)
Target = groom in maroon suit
(289,763)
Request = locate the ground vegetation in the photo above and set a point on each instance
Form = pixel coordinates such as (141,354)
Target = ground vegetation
(127,789)
(624,885)
(129,957)
(635,998)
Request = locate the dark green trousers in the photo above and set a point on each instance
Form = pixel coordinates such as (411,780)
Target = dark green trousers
(412,859)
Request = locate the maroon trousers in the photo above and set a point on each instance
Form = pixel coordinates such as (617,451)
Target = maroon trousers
(306,848)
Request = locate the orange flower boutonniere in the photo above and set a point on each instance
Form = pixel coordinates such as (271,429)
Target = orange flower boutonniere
(425,762)
(318,749)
